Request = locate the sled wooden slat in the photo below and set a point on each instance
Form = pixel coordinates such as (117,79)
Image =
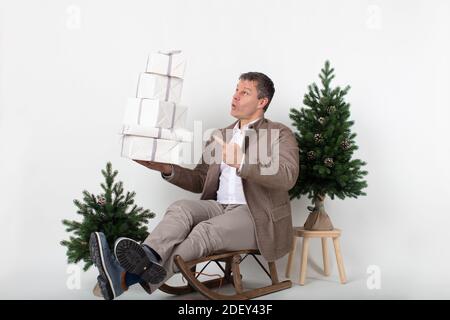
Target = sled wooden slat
(232,276)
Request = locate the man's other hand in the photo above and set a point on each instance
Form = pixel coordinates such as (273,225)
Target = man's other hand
(231,153)
(165,168)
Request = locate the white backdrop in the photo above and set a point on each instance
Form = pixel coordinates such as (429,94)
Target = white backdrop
(67,68)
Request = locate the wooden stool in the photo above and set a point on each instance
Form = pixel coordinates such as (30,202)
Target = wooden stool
(306,234)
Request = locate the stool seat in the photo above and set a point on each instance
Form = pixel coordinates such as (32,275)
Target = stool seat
(300,232)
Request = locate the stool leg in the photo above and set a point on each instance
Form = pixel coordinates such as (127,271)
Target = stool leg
(304,262)
(291,255)
(340,262)
(326,265)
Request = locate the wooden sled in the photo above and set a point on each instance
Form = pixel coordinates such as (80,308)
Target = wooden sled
(231,275)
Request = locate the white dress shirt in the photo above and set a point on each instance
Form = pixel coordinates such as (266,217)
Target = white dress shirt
(230,184)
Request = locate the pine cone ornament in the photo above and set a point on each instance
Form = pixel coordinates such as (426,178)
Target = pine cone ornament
(329,162)
(311,155)
(321,120)
(345,144)
(101,200)
(318,138)
(331,109)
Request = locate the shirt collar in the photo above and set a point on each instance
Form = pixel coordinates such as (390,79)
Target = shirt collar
(236,126)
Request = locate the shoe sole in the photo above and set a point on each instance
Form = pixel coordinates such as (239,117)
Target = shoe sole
(99,261)
(134,259)
(105,288)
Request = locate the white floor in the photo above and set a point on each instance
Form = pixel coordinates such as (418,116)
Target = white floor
(48,283)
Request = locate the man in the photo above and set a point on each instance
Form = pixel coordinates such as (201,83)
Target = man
(244,203)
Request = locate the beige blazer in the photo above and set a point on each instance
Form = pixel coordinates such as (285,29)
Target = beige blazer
(266,194)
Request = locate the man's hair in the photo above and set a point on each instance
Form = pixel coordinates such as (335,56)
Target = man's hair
(264,85)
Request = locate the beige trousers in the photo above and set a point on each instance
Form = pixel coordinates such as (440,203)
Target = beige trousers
(198,228)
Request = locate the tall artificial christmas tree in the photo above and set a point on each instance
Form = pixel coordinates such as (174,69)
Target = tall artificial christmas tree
(111,212)
(326,148)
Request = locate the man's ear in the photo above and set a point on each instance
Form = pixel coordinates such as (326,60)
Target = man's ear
(262,103)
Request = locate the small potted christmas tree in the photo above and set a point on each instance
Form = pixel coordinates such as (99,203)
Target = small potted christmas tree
(326,148)
(111,212)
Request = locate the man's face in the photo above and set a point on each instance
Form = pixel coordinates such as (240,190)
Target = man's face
(245,103)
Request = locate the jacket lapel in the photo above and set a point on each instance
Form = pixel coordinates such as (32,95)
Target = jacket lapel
(212,179)
(254,129)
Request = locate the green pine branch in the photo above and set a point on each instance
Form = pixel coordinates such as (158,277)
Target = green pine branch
(326,143)
(110,212)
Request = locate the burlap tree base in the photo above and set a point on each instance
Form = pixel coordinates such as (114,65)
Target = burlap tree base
(318,219)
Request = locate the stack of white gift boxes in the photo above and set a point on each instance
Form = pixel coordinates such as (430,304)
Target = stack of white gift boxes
(154,124)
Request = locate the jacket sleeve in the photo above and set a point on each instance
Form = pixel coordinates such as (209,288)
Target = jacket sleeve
(189,179)
(280,170)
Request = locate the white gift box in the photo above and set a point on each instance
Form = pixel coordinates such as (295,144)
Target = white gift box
(178,134)
(152,149)
(170,63)
(155,86)
(155,113)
